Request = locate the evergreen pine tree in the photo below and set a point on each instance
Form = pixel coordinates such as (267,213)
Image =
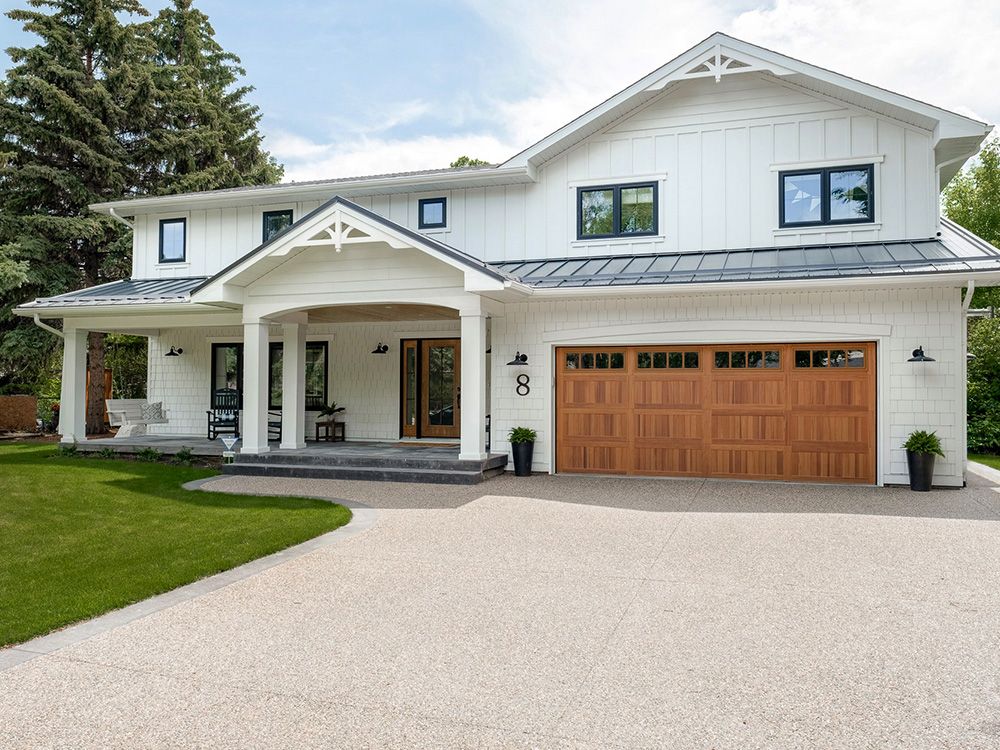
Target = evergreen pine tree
(72,113)
(206,136)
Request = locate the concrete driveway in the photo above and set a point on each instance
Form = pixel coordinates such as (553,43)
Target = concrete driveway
(566,612)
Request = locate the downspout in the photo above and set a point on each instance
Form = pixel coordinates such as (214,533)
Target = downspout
(968,295)
(120,218)
(47,327)
(966,302)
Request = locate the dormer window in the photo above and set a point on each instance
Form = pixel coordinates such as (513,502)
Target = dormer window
(432,213)
(172,240)
(276,222)
(616,211)
(833,195)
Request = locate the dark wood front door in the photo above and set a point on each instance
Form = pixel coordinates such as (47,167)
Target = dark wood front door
(431,392)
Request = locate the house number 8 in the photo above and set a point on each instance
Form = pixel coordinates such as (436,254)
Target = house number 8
(522,385)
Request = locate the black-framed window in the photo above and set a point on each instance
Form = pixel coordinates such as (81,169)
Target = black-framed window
(432,213)
(830,195)
(317,369)
(276,222)
(227,374)
(616,210)
(173,240)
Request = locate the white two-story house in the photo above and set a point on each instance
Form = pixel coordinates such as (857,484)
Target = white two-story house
(721,271)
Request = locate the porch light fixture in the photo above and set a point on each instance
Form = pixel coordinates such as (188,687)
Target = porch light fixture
(174,352)
(519,360)
(919,356)
(381,348)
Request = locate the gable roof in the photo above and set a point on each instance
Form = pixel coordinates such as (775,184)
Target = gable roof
(720,55)
(399,236)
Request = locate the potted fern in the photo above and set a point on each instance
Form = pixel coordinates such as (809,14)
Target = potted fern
(921,448)
(522,444)
(331,411)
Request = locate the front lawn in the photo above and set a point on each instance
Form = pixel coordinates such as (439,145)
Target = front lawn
(81,536)
(982,458)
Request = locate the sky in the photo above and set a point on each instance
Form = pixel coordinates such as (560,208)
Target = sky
(350,88)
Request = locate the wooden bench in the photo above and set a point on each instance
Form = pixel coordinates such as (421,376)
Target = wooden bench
(126,415)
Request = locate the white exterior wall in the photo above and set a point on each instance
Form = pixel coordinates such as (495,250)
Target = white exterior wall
(910,396)
(714,147)
(367,384)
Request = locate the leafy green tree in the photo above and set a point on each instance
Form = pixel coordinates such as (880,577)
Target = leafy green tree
(72,109)
(972,199)
(206,136)
(468,161)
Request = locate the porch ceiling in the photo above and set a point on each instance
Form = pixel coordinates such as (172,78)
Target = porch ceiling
(380,313)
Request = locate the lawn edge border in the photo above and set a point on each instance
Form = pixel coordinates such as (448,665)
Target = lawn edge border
(984,471)
(362,518)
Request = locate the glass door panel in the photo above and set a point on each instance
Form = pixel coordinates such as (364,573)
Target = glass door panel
(440,388)
(410,391)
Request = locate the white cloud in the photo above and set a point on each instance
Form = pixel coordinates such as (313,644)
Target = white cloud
(575,53)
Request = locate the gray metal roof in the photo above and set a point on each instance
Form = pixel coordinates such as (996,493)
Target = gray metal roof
(755,264)
(127,292)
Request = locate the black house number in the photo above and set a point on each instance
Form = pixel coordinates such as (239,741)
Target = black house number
(523,389)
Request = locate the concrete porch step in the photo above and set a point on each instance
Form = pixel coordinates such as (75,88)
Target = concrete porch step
(324,459)
(378,473)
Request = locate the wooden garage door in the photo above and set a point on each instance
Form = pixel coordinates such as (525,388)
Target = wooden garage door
(803,412)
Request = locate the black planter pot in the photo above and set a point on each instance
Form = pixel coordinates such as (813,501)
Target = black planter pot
(921,466)
(522,458)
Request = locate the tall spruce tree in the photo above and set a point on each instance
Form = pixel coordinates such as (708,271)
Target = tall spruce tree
(206,135)
(73,108)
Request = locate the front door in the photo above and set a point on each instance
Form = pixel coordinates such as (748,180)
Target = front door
(439,388)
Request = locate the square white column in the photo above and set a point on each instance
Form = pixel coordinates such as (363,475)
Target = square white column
(253,428)
(73,389)
(473,445)
(293,386)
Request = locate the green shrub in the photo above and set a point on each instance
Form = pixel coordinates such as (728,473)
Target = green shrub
(983,397)
(67,450)
(149,455)
(921,441)
(106,453)
(521,435)
(183,457)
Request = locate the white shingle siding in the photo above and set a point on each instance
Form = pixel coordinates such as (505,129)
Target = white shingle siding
(910,396)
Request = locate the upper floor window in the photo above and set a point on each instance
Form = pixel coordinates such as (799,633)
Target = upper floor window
(172,240)
(834,195)
(276,222)
(432,213)
(616,211)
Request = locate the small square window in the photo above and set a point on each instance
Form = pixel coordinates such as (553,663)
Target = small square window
(643,360)
(802,358)
(276,222)
(572,361)
(838,358)
(755,359)
(617,360)
(172,240)
(432,213)
(675,360)
(587,361)
(820,358)
(660,360)
(722,359)
(772,359)
(691,360)
(738,359)
(603,361)
(856,358)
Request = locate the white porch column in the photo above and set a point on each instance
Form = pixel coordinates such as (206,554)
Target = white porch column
(253,429)
(293,386)
(73,390)
(473,387)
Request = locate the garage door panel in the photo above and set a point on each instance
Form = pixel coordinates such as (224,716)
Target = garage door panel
(757,428)
(803,412)
(593,391)
(682,393)
(753,393)
(595,425)
(672,461)
(747,463)
(819,465)
(673,427)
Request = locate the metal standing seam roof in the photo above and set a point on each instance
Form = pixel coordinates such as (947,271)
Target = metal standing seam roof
(754,264)
(126,292)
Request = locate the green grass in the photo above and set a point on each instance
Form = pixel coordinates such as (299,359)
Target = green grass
(81,536)
(982,458)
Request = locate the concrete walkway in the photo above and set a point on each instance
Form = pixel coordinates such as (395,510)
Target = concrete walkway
(565,613)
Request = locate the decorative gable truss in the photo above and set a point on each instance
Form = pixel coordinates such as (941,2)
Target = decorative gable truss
(720,60)
(348,229)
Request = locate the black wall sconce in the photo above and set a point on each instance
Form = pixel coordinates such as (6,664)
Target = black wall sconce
(174,352)
(919,356)
(381,348)
(519,360)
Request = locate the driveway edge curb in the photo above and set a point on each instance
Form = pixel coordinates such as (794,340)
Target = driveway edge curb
(362,518)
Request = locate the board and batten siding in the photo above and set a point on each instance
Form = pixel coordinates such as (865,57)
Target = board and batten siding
(713,147)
